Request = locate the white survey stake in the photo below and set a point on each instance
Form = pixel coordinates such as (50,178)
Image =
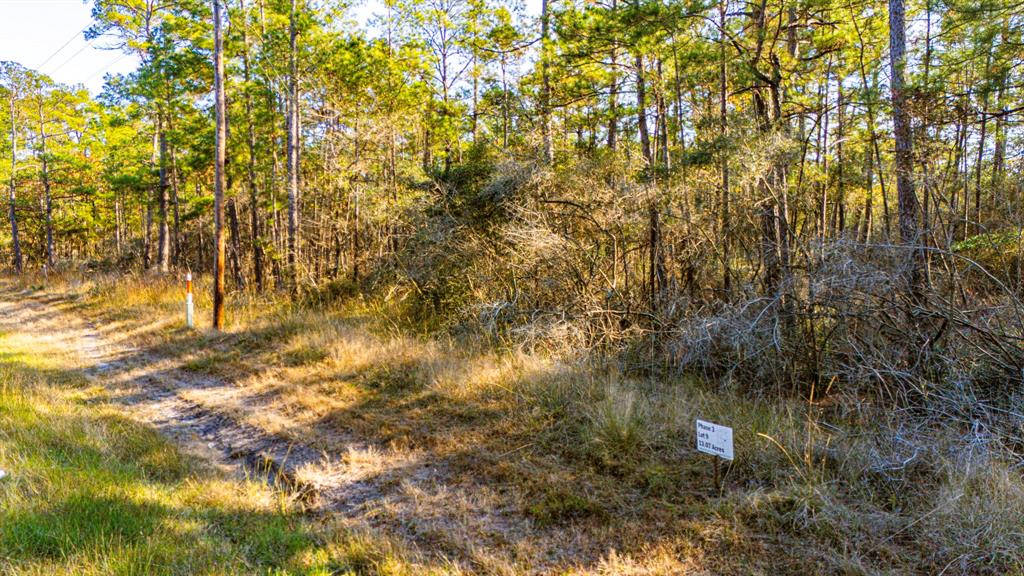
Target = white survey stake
(189,313)
(714,439)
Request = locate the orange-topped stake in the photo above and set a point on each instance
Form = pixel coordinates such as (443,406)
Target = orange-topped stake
(188,300)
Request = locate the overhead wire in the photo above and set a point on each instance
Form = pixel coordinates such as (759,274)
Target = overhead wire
(63,46)
(73,56)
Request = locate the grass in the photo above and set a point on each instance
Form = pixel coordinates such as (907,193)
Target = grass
(90,491)
(594,470)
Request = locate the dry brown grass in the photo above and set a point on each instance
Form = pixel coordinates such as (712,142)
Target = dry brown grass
(546,465)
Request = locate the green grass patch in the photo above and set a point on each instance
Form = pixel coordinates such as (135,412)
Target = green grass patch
(214,362)
(304,356)
(560,506)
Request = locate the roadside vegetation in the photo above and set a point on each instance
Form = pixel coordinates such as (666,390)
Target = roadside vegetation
(483,263)
(594,455)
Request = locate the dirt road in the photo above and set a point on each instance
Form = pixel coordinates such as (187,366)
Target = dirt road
(407,495)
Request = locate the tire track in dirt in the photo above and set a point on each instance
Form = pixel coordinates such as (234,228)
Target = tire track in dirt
(155,396)
(156,391)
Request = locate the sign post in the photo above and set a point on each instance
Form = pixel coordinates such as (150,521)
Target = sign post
(716,440)
(188,301)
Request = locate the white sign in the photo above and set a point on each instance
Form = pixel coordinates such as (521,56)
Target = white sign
(714,439)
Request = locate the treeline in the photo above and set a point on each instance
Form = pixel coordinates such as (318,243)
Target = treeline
(669,177)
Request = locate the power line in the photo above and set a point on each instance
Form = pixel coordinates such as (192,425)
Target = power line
(63,46)
(73,56)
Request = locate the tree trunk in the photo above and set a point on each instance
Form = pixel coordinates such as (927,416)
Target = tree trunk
(355,237)
(256,241)
(723,118)
(869,178)
(504,103)
(13,197)
(873,144)
(839,215)
(236,243)
(613,96)
(999,154)
(176,204)
(163,249)
(641,111)
(293,152)
(48,195)
(662,126)
(657,258)
(118,232)
(679,134)
(545,104)
(981,153)
(909,217)
(219,172)
(822,154)
(147,240)
(772,185)
(474,120)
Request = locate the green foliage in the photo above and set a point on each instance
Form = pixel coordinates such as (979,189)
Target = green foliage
(999,253)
